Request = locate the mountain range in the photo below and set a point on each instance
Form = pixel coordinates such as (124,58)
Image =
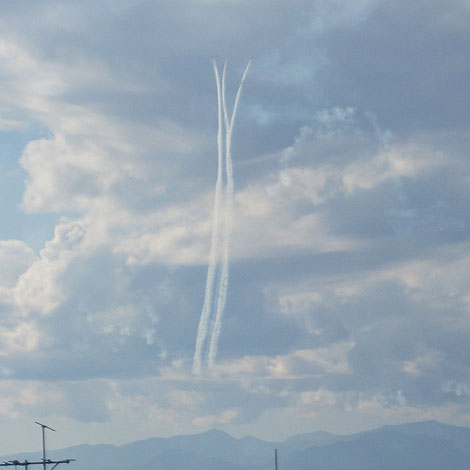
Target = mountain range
(426,445)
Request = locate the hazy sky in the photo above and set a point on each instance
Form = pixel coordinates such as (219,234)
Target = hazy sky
(349,301)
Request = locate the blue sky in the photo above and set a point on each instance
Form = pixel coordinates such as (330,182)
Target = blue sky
(348,301)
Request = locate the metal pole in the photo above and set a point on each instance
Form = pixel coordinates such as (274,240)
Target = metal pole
(43,448)
(43,428)
(275,459)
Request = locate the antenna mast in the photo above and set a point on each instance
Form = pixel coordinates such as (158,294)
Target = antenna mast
(43,428)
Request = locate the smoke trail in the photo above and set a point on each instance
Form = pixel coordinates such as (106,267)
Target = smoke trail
(224,274)
(214,250)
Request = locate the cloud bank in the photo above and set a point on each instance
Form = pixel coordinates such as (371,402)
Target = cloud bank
(348,305)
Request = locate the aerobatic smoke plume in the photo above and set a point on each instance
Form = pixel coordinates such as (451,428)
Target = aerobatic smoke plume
(219,256)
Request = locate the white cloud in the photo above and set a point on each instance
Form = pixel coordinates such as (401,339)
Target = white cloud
(209,421)
(39,288)
(21,338)
(297,364)
(15,257)
(409,162)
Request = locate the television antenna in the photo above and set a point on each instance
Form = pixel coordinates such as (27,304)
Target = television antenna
(44,462)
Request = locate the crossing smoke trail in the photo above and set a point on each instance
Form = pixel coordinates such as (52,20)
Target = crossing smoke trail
(213,256)
(224,275)
(226,124)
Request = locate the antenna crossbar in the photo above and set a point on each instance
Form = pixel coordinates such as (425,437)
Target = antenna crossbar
(26,463)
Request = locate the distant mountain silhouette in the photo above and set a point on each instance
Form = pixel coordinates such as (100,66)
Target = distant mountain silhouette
(416,446)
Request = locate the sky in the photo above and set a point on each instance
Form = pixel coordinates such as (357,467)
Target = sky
(348,300)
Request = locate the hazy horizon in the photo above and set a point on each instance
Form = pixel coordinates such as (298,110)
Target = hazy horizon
(50,451)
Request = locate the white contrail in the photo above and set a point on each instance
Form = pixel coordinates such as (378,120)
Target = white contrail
(224,273)
(225,126)
(214,250)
